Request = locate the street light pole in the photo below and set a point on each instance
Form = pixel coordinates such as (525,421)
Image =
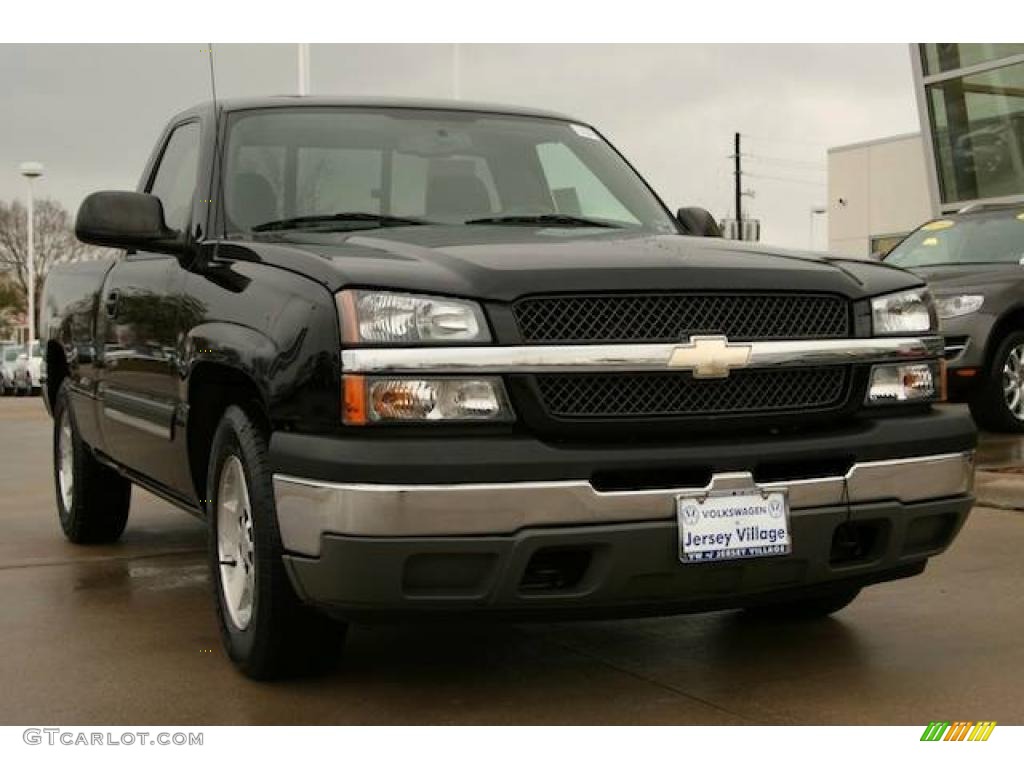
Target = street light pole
(31,171)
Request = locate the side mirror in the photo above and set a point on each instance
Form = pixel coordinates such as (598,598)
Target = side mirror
(126,220)
(699,222)
(877,256)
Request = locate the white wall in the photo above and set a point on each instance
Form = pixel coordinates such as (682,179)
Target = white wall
(875,188)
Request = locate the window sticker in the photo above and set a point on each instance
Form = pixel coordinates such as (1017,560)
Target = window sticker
(586,132)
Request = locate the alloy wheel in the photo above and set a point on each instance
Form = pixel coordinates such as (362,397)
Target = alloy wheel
(66,460)
(235,547)
(1013,382)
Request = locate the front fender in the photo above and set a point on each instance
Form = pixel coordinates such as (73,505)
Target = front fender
(243,349)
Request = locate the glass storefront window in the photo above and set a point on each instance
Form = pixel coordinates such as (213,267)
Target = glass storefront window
(944,57)
(978,128)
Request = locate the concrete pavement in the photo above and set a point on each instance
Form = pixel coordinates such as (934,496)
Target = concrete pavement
(125,634)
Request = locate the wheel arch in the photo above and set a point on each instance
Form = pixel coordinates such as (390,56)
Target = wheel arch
(57,369)
(1011,320)
(212,387)
(226,365)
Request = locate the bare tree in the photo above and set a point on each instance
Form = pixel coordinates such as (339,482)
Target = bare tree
(54,236)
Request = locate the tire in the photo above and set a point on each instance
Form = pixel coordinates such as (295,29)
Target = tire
(816,607)
(271,633)
(92,499)
(998,403)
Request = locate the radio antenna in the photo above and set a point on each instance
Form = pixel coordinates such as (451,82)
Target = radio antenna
(215,171)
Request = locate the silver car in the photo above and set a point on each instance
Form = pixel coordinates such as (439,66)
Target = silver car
(8,361)
(28,369)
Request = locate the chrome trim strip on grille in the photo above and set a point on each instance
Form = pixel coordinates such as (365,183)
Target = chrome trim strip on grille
(308,508)
(592,358)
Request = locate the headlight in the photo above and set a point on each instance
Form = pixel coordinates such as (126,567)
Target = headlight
(904,312)
(382,317)
(905,383)
(955,306)
(377,399)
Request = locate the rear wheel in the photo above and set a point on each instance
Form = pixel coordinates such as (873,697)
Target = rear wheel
(998,404)
(808,607)
(266,630)
(92,499)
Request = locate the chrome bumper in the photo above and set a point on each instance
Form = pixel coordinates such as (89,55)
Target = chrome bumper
(307,508)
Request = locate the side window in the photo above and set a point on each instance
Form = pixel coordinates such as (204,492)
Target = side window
(175,179)
(575,189)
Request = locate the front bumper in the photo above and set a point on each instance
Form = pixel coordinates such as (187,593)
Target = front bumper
(966,351)
(617,569)
(308,510)
(512,524)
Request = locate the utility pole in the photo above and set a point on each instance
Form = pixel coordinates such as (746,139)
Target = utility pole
(456,71)
(303,62)
(739,186)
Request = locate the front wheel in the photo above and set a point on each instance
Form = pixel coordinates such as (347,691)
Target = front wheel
(266,630)
(998,404)
(815,607)
(92,499)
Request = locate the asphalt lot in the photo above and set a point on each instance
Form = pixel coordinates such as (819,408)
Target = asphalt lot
(125,634)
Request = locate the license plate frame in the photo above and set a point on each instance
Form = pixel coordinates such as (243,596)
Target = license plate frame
(731,512)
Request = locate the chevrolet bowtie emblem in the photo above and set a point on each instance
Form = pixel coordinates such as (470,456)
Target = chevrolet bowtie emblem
(710,357)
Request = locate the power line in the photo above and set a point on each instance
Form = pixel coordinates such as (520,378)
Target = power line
(801,142)
(788,179)
(785,161)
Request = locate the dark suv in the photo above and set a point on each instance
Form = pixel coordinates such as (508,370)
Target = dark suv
(973,262)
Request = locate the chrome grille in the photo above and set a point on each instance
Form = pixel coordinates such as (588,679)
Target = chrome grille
(632,395)
(674,317)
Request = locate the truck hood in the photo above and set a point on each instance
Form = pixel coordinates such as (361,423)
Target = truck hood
(502,263)
(959,278)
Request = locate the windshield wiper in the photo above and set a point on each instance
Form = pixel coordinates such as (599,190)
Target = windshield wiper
(300,222)
(547,219)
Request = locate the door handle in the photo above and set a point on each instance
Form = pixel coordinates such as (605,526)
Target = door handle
(110,305)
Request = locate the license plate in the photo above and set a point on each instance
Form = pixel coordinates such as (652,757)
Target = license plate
(733,525)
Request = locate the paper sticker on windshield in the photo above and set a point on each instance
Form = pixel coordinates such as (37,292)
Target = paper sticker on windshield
(1020,216)
(585,132)
(935,226)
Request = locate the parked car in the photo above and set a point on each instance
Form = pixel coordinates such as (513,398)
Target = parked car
(974,262)
(441,357)
(8,362)
(28,370)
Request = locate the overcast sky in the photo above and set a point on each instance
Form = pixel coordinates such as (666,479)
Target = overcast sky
(91,113)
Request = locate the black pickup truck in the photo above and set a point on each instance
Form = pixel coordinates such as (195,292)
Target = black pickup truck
(449,358)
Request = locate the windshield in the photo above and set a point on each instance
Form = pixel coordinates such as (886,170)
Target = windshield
(11,354)
(343,168)
(997,236)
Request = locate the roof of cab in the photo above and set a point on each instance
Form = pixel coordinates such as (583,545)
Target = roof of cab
(379,102)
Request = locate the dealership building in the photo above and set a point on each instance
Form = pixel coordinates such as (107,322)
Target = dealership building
(970,98)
